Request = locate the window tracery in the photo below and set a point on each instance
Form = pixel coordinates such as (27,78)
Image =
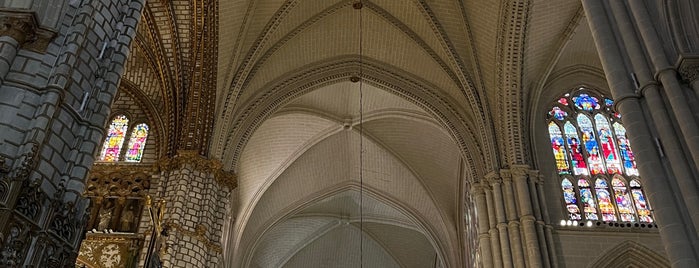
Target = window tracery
(594,160)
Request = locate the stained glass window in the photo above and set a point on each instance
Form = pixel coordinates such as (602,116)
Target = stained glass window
(557,145)
(605,200)
(607,143)
(589,143)
(557,113)
(579,165)
(587,200)
(642,207)
(627,158)
(623,201)
(585,102)
(571,201)
(115,138)
(137,143)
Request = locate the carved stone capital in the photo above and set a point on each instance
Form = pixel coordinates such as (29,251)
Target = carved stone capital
(492,177)
(200,163)
(519,171)
(24,27)
(688,67)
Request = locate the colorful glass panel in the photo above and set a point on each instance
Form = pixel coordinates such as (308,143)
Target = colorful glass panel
(640,200)
(611,157)
(115,139)
(587,200)
(605,201)
(571,201)
(594,160)
(608,102)
(563,101)
(579,165)
(137,143)
(558,147)
(627,158)
(586,102)
(558,113)
(623,201)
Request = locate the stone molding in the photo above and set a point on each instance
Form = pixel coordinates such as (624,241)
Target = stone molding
(199,234)
(199,163)
(24,27)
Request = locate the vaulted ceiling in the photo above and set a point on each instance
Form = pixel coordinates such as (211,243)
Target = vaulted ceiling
(283,111)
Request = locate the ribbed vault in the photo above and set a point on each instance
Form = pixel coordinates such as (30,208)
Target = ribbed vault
(299,178)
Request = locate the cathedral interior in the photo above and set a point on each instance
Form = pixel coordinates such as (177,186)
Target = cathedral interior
(349,133)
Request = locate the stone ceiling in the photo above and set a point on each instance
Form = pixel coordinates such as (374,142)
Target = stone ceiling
(286,115)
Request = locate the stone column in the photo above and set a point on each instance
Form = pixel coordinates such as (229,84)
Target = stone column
(533,178)
(496,184)
(196,193)
(667,75)
(526,215)
(513,225)
(674,236)
(658,111)
(483,224)
(492,225)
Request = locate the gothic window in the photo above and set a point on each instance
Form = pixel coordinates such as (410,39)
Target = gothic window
(115,139)
(594,160)
(116,136)
(137,142)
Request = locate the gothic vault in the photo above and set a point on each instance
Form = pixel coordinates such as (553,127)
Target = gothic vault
(349,133)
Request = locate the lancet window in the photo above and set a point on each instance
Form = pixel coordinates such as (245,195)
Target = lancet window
(116,135)
(594,160)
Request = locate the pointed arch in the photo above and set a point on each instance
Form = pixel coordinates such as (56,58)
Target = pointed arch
(630,254)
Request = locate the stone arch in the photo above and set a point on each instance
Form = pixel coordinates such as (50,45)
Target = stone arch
(630,254)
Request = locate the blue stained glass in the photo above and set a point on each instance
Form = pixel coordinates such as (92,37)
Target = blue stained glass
(571,201)
(594,159)
(586,102)
(608,102)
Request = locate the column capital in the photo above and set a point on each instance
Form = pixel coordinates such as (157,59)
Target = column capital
(24,27)
(688,67)
(492,177)
(519,171)
(199,163)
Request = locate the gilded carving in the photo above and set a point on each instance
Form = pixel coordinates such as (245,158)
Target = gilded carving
(118,180)
(199,234)
(106,251)
(198,162)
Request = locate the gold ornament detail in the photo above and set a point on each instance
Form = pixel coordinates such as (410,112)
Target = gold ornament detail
(192,159)
(199,234)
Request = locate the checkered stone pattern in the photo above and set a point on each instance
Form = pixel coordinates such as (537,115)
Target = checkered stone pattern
(194,199)
(53,108)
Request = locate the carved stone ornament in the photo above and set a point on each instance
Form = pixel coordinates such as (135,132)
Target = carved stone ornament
(118,181)
(198,162)
(688,67)
(24,27)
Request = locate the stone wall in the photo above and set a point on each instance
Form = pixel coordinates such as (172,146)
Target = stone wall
(55,97)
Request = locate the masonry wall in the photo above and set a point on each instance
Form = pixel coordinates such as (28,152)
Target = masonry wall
(54,103)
